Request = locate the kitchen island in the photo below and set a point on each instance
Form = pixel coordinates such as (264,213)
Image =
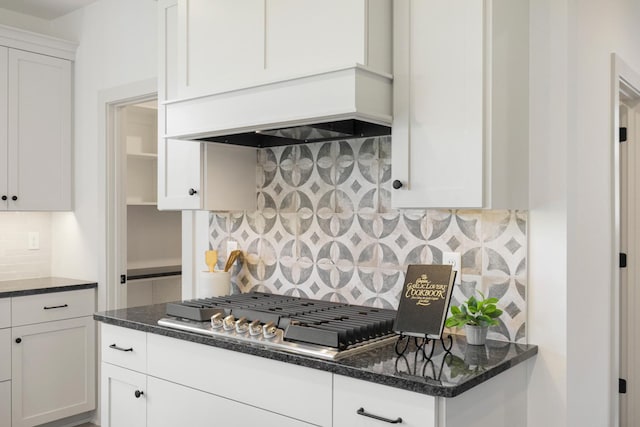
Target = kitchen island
(158,370)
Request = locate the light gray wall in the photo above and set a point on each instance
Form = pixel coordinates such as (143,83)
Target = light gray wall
(117,46)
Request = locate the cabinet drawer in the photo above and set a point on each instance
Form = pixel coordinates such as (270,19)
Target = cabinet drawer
(5,312)
(167,401)
(54,306)
(351,396)
(5,354)
(124,347)
(5,404)
(294,391)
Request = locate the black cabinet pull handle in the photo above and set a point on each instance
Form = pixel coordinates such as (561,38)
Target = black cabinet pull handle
(14,198)
(376,417)
(397,184)
(4,197)
(115,347)
(138,393)
(51,307)
(18,340)
(192,192)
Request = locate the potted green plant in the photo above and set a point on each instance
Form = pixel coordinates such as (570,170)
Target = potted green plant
(476,315)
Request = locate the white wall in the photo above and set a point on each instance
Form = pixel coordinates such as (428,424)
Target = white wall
(547,291)
(117,46)
(571,216)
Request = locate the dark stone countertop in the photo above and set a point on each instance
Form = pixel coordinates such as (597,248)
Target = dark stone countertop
(447,375)
(42,285)
(151,272)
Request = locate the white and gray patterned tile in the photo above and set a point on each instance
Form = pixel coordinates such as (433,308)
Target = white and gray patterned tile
(358,189)
(324,228)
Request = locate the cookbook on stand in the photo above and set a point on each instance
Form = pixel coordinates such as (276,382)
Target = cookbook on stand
(424,302)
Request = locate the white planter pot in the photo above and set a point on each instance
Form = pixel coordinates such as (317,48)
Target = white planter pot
(476,335)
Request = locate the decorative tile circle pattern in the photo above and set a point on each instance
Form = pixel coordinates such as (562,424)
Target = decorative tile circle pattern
(324,228)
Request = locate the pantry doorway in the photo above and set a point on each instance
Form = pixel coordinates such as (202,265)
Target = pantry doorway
(143,262)
(626,127)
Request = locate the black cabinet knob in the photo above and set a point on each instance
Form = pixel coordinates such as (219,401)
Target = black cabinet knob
(192,192)
(138,393)
(4,197)
(397,184)
(14,198)
(18,340)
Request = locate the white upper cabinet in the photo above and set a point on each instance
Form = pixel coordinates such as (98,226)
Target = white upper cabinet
(35,112)
(191,174)
(460,127)
(225,45)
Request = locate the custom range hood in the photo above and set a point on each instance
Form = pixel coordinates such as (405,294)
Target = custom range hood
(339,104)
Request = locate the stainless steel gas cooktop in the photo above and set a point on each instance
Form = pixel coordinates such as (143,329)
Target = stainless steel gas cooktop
(322,329)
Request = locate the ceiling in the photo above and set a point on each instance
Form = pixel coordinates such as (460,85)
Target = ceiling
(44,9)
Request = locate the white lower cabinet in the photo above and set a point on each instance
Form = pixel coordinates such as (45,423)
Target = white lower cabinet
(170,405)
(358,403)
(5,312)
(5,404)
(5,376)
(53,365)
(124,398)
(5,354)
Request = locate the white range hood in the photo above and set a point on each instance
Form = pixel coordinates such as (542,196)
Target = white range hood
(336,104)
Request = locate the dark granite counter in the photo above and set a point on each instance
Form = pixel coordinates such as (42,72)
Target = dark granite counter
(42,285)
(152,272)
(447,375)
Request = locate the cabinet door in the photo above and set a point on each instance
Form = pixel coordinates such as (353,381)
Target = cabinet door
(53,370)
(5,354)
(220,44)
(124,397)
(4,174)
(39,123)
(299,40)
(356,403)
(180,174)
(438,133)
(5,312)
(170,405)
(5,404)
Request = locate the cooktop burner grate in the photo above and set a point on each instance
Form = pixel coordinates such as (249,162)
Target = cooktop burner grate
(299,325)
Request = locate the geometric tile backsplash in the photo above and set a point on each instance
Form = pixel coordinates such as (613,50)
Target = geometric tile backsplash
(324,228)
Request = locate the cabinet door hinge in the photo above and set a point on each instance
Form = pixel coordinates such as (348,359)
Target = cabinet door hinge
(622,386)
(623,134)
(123,279)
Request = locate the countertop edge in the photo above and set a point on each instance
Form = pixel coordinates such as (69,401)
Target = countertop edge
(435,390)
(48,290)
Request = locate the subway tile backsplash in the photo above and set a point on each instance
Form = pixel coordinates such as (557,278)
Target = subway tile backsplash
(16,260)
(324,228)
